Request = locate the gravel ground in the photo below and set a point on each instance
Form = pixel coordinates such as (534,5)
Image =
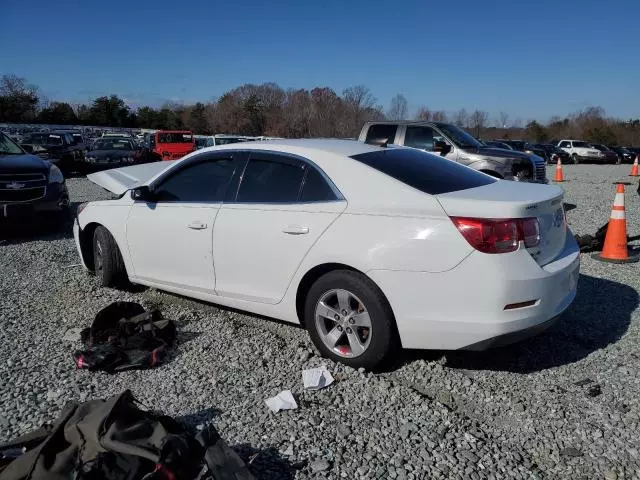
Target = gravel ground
(562,405)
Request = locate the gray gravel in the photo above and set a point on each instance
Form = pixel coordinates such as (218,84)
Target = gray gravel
(562,405)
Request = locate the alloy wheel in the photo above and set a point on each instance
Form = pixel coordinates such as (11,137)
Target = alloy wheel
(343,323)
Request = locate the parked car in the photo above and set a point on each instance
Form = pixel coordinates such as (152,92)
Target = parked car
(609,155)
(57,148)
(116,135)
(624,155)
(30,187)
(293,236)
(496,144)
(204,141)
(580,151)
(553,153)
(111,151)
(457,145)
(522,146)
(169,145)
(226,139)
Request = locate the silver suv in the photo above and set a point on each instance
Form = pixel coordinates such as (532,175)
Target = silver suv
(455,144)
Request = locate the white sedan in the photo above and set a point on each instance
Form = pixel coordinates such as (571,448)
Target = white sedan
(370,248)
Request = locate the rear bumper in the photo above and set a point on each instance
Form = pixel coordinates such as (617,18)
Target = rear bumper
(464,308)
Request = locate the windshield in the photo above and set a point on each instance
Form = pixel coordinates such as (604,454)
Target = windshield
(174,137)
(459,137)
(8,146)
(43,139)
(602,148)
(113,144)
(580,145)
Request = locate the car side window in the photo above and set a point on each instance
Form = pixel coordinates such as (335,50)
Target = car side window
(202,182)
(420,137)
(271,181)
(316,188)
(565,145)
(381,132)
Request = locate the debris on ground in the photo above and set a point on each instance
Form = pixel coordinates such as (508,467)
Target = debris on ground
(316,378)
(594,390)
(283,401)
(112,439)
(124,336)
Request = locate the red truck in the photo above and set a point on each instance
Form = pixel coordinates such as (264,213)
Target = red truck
(171,144)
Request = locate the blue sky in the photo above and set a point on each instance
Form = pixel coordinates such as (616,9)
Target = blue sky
(529,59)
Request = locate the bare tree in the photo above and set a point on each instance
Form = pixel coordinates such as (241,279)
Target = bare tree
(424,114)
(478,121)
(461,118)
(399,107)
(439,116)
(359,96)
(504,119)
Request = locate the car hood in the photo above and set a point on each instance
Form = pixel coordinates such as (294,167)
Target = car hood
(496,152)
(110,153)
(23,163)
(119,180)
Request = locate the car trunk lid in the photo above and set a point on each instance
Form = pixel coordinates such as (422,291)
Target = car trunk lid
(513,200)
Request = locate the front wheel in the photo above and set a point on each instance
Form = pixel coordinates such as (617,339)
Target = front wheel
(350,320)
(107,260)
(575,159)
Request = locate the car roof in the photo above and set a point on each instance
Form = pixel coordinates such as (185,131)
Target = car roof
(309,146)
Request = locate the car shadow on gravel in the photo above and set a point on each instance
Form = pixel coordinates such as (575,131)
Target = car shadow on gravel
(16,234)
(599,316)
(267,463)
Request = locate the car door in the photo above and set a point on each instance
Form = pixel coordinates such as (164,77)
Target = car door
(282,206)
(170,238)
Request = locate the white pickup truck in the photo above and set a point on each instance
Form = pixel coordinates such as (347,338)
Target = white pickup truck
(580,151)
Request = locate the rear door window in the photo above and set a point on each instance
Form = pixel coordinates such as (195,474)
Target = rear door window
(423,171)
(420,137)
(271,179)
(316,188)
(381,133)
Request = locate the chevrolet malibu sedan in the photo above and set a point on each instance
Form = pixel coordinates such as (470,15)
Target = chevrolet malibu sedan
(369,248)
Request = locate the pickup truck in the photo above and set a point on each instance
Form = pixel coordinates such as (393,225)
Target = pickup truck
(580,151)
(455,144)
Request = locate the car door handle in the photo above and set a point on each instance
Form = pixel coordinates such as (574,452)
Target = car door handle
(197,225)
(295,230)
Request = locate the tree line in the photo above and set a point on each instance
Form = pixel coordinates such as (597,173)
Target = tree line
(268,109)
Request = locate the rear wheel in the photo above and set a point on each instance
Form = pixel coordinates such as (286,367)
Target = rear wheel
(107,260)
(349,320)
(575,159)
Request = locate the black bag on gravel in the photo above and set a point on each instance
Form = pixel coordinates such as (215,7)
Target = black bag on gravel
(114,439)
(124,336)
(593,243)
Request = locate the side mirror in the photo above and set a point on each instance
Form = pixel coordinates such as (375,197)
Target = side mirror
(142,194)
(442,147)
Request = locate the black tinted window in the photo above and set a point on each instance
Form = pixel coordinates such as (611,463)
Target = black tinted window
(419,137)
(270,182)
(203,182)
(316,188)
(381,133)
(424,171)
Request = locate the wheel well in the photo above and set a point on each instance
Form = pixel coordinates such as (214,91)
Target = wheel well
(86,243)
(492,173)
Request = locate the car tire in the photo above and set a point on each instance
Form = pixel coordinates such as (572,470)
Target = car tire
(107,260)
(373,343)
(575,159)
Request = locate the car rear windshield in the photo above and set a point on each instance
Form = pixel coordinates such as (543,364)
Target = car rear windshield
(175,138)
(423,171)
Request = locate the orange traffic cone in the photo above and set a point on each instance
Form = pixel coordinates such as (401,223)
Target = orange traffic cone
(615,248)
(559,175)
(634,169)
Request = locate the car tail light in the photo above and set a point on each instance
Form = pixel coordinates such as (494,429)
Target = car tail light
(489,235)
